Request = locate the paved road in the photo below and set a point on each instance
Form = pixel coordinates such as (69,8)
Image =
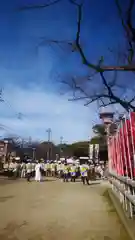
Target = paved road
(53,210)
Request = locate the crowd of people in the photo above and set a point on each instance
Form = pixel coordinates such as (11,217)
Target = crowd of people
(63,170)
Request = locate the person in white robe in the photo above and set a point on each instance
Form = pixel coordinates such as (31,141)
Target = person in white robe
(38,172)
(23,170)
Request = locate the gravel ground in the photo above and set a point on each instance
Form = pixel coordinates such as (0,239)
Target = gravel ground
(53,210)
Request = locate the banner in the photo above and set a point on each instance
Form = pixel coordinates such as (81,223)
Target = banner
(123,150)
(91,151)
(111,154)
(132,126)
(127,130)
(96,152)
(119,155)
(121,147)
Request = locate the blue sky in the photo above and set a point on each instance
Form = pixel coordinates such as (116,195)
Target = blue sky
(28,74)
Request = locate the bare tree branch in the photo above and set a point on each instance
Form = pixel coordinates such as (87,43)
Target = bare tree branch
(106,104)
(76,46)
(128,27)
(77,99)
(132,100)
(79,48)
(105,92)
(38,6)
(75,87)
(110,93)
(119,68)
(91,101)
(129,19)
(78,32)
(106,98)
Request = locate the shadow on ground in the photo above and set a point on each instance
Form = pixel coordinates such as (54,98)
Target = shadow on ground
(94,183)
(5,198)
(6,181)
(9,231)
(48,180)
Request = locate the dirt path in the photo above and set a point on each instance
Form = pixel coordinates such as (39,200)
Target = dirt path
(54,210)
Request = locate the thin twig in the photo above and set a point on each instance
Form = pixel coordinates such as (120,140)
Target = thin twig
(38,6)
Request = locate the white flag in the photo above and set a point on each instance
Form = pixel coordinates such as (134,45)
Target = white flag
(96,151)
(91,151)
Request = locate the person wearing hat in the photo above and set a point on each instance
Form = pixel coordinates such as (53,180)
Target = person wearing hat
(56,168)
(66,172)
(33,168)
(73,172)
(48,169)
(52,165)
(59,169)
(84,168)
(29,170)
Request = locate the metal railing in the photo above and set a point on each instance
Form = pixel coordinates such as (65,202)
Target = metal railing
(124,188)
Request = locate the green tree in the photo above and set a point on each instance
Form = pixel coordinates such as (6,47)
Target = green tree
(79,149)
(99,130)
(100,136)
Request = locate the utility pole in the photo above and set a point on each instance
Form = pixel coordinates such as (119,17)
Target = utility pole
(30,141)
(61,141)
(33,153)
(49,131)
(22,143)
(31,148)
(5,150)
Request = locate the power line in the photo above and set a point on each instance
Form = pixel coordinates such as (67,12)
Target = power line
(2,99)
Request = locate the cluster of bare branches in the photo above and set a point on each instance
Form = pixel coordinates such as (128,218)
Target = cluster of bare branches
(107,90)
